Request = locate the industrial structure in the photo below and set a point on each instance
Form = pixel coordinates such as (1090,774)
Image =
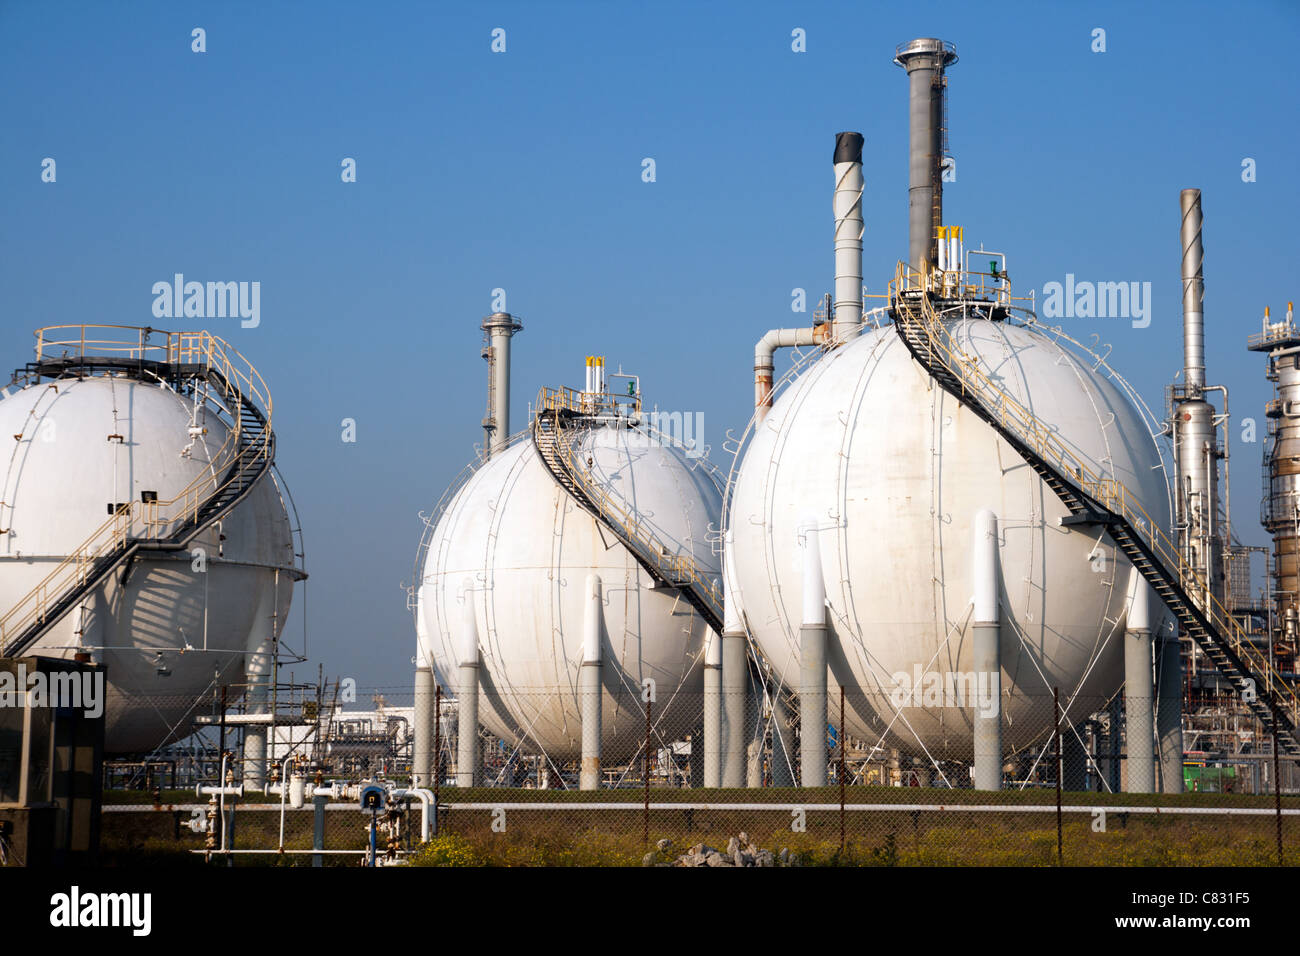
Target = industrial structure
(567,580)
(947,515)
(142,526)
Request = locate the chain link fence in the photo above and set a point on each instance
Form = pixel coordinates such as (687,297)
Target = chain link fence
(894,783)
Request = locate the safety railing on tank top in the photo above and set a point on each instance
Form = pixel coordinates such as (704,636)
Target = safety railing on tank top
(1109,492)
(230,464)
(587,403)
(677,568)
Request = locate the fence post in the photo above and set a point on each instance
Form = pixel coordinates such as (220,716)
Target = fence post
(437,742)
(318,828)
(1277,787)
(1056,715)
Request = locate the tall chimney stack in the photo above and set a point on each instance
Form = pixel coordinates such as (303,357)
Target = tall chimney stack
(1193,290)
(925,60)
(848,234)
(498,329)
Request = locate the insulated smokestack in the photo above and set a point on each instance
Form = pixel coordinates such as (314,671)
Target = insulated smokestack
(498,329)
(1193,290)
(925,60)
(848,234)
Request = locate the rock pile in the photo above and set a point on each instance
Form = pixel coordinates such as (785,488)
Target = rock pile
(740,851)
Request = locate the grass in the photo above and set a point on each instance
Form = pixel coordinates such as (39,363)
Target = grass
(566,834)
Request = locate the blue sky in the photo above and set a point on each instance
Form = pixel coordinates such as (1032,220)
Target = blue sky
(522,170)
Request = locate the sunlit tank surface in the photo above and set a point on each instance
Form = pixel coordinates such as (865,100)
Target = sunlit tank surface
(893,470)
(61,474)
(519,548)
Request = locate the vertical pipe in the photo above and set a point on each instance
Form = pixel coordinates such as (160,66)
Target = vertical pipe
(925,60)
(812,665)
(848,234)
(987,640)
(1169,712)
(590,687)
(1139,688)
(422,758)
(467,752)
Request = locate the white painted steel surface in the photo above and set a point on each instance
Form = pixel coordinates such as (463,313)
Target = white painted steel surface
(526,548)
(58,480)
(895,471)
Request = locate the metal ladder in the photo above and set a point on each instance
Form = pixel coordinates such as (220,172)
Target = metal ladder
(678,571)
(1095,500)
(241,463)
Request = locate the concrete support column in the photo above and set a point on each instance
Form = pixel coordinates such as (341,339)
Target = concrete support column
(735,684)
(422,758)
(1169,712)
(812,666)
(987,639)
(590,686)
(1139,690)
(468,761)
(258,667)
(713,743)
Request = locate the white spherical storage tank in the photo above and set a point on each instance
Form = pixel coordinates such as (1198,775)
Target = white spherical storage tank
(518,549)
(892,471)
(168,626)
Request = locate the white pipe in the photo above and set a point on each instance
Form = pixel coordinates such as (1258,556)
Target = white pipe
(943,248)
(764,360)
(847,207)
(426,803)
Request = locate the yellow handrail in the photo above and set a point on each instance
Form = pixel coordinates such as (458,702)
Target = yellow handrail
(678,568)
(151,519)
(1107,491)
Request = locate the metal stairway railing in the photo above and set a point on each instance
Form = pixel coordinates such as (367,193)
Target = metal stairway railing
(556,449)
(243,459)
(1104,501)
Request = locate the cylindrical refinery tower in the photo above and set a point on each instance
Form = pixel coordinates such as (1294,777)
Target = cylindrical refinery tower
(549,562)
(141,524)
(959,593)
